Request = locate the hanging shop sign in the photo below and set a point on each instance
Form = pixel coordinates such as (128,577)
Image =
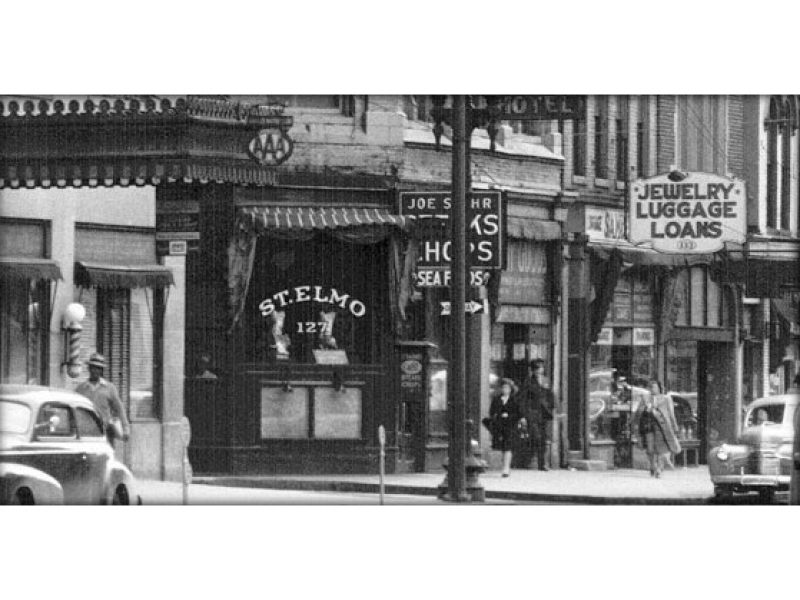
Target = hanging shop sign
(687,213)
(270,147)
(485,235)
(604,224)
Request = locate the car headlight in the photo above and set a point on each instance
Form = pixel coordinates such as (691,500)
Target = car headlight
(723,453)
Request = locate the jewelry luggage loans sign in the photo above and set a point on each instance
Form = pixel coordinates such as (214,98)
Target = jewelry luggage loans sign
(687,213)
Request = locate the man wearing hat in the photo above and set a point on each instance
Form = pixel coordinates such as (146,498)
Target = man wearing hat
(538,404)
(105,398)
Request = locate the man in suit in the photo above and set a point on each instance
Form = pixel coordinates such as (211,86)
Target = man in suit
(538,409)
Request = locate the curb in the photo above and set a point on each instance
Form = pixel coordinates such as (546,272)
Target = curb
(410,490)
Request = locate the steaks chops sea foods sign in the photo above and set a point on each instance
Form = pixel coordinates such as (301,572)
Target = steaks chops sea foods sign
(687,213)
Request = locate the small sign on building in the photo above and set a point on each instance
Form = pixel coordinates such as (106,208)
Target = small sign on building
(687,213)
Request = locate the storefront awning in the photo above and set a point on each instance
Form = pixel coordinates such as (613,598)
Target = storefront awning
(533,229)
(122,276)
(646,256)
(23,267)
(266,218)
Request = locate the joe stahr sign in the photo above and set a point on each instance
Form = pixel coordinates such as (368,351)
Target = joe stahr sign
(687,213)
(485,222)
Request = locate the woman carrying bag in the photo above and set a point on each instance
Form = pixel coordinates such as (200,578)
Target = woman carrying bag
(505,417)
(655,419)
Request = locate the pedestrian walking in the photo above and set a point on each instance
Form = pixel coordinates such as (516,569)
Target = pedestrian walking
(656,424)
(505,418)
(538,407)
(105,397)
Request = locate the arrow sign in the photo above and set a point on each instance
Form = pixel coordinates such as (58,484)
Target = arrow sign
(470,307)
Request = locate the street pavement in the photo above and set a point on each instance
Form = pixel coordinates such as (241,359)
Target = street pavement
(619,486)
(161,493)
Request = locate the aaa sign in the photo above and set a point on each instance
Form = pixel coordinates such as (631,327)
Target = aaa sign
(696,214)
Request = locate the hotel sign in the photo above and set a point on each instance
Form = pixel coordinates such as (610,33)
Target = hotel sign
(687,213)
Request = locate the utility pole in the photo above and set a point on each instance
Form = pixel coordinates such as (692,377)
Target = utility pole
(457,482)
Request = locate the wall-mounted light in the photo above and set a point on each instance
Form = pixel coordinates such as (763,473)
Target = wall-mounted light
(71,325)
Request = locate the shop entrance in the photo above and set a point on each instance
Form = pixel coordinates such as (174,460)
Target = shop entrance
(715,390)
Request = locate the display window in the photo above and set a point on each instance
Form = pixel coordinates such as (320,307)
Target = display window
(25,317)
(316,301)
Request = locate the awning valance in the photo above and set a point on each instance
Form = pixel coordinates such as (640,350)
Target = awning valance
(533,229)
(646,256)
(122,276)
(265,218)
(23,267)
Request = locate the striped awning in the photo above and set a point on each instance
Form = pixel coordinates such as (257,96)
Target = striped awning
(122,276)
(263,218)
(23,267)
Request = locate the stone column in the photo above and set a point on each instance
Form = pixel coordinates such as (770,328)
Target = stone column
(173,370)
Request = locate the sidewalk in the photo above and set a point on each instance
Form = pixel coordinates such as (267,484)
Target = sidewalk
(621,486)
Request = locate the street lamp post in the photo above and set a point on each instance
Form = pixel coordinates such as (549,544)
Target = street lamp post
(462,467)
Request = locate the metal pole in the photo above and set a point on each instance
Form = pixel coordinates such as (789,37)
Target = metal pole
(456,454)
(382,461)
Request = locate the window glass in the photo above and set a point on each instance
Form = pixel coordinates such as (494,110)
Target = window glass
(88,423)
(62,423)
(24,318)
(337,414)
(769,414)
(142,360)
(14,417)
(284,414)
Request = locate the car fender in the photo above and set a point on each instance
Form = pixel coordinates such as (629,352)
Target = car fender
(118,474)
(13,477)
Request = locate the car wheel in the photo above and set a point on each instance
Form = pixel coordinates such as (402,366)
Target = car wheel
(121,496)
(23,497)
(766,496)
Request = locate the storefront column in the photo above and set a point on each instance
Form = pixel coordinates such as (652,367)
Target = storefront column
(577,387)
(173,371)
(765,306)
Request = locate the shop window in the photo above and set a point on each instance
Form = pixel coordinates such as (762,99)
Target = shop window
(703,302)
(284,413)
(24,328)
(337,414)
(319,294)
(303,412)
(123,325)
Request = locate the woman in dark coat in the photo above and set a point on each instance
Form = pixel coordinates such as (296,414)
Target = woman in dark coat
(505,417)
(656,423)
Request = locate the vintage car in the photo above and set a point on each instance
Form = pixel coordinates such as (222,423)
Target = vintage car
(761,459)
(54,450)
(794,488)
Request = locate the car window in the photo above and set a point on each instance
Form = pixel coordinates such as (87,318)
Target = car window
(60,420)
(768,414)
(14,417)
(88,423)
